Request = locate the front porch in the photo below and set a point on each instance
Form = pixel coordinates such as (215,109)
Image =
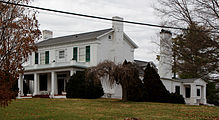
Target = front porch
(195,94)
(50,84)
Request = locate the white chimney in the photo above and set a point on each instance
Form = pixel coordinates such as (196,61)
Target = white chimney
(118,37)
(47,34)
(117,25)
(166,59)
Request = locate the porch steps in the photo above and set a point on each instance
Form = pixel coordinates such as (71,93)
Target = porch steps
(41,96)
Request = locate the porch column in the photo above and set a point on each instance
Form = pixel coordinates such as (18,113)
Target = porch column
(193,94)
(53,77)
(35,91)
(20,86)
(72,72)
(203,94)
(183,91)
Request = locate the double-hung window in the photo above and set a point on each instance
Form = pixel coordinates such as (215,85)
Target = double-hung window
(42,58)
(81,54)
(61,54)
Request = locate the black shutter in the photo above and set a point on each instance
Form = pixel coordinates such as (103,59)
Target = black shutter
(47,57)
(75,53)
(87,53)
(36,57)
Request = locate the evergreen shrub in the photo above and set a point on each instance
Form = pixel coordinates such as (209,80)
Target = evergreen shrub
(78,87)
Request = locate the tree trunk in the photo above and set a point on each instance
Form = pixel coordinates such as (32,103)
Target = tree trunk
(124,93)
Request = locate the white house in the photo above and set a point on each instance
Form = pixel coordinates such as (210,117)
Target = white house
(48,69)
(193,90)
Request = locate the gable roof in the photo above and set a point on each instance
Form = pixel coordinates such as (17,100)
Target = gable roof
(73,38)
(130,41)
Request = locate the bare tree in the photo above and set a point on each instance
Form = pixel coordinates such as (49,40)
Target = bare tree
(200,17)
(183,13)
(208,12)
(176,12)
(18,32)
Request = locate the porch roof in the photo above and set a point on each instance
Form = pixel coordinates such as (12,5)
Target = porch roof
(191,80)
(49,67)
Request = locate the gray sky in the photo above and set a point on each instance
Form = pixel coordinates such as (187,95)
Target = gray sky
(132,10)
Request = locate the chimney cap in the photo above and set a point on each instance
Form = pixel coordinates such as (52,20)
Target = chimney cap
(117,18)
(165,31)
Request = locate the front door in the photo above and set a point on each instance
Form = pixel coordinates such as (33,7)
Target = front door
(60,86)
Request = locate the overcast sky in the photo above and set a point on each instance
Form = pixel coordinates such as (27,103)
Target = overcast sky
(132,10)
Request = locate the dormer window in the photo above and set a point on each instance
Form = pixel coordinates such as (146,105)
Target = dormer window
(61,54)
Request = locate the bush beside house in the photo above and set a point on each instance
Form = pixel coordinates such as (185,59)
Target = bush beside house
(136,92)
(211,94)
(176,98)
(78,87)
(93,90)
(151,89)
(156,91)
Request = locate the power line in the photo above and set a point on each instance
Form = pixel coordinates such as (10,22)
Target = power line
(98,17)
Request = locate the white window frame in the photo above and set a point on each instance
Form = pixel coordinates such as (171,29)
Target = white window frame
(61,56)
(42,57)
(82,54)
(57,55)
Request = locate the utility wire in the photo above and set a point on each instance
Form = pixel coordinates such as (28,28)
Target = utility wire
(98,17)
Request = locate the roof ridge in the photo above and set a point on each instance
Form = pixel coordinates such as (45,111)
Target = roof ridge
(92,31)
(83,33)
(76,35)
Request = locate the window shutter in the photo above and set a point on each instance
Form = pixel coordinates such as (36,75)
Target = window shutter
(87,53)
(47,57)
(36,57)
(75,53)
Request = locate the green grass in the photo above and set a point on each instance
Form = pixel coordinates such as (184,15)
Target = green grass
(102,109)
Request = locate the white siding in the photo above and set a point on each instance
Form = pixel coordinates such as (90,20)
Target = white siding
(107,50)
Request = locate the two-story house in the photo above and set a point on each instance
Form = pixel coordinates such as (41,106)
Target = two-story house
(48,69)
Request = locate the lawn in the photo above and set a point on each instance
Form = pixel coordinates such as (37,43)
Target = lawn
(102,109)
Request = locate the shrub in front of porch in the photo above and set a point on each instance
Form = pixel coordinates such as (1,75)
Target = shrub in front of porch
(78,87)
